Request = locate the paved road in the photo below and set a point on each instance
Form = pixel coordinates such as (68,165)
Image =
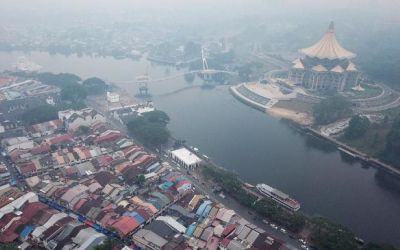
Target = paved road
(15,175)
(231,203)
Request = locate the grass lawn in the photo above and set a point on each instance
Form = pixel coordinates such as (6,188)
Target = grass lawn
(370,91)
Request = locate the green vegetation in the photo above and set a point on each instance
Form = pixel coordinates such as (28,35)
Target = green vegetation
(150,128)
(379,55)
(392,149)
(358,126)
(246,71)
(265,207)
(140,180)
(82,130)
(329,235)
(189,77)
(108,244)
(9,246)
(369,91)
(73,92)
(94,86)
(39,114)
(331,109)
(324,233)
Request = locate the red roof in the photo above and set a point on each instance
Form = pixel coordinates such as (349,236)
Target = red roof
(106,159)
(80,203)
(181,183)
(225,242)
(61,139)
(27,168)
(16,153)
(32,209)
(41,149)
(130,150)
(10,235)
(125,225)
(6,219)
(228,229)
(108,138)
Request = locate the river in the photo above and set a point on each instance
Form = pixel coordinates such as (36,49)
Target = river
(258,147)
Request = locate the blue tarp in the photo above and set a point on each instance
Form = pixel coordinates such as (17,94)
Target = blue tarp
(26,231)
(202,207)
(206,210)
(156,166)
(166,185)
(136,216)
(156,202)
(190,229)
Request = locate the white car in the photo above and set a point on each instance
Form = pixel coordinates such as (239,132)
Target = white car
(274,226)
(265,222)
(304,247)
(283,230)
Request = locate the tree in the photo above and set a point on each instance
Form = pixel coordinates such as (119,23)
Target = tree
(331,109)
(150,128)
(358,126)
(332,236)
(392,148)
(82,130)
(157,116)
(140,180)
(73,92)
(94,86)
(189,77)
(39,114)
(108,244)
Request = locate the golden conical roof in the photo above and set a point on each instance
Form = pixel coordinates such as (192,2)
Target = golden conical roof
(328,47)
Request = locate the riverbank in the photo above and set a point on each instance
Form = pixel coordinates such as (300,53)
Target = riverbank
(259,148)
(303,119)
(318,231)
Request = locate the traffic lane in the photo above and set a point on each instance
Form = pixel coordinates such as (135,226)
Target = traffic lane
(244,212)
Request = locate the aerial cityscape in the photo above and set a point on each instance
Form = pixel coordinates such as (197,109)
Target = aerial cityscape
(199,124)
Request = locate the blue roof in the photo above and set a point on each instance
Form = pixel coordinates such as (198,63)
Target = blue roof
(202,207)
(181,178)
(156,166)
(190,229)
(136,216)
(166,185)
(26,231)
(156,202)
(206,210)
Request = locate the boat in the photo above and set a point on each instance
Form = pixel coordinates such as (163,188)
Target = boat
(248,185)
(278,196)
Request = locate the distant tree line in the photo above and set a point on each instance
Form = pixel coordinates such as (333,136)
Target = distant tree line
(73,94)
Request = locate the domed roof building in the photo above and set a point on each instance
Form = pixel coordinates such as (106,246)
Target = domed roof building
(325,65)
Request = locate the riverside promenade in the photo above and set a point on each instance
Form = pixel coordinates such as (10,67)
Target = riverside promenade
(354,152)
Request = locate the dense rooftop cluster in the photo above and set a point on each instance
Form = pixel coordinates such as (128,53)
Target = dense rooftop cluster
(64,187)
